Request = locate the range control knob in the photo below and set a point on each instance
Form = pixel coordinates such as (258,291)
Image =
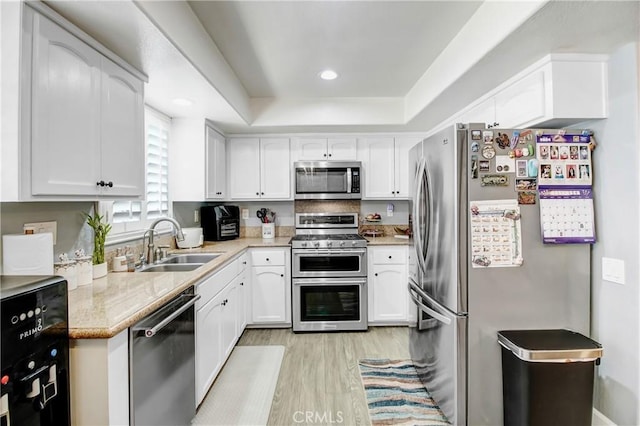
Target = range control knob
(303,244)
(353,243)
(341,243)
(329,243)
(316,244)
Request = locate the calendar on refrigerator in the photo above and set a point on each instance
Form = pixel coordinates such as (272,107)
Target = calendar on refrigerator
(565,188)
(566,215)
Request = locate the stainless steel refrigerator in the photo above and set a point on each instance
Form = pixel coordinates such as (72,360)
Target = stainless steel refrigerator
(461,307)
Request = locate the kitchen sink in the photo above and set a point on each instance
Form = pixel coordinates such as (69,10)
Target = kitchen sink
(172,267)
(189,258)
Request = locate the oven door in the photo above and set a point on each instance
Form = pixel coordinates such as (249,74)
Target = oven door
(309,263)
(324,304)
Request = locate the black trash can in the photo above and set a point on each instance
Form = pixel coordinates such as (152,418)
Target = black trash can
(547,377)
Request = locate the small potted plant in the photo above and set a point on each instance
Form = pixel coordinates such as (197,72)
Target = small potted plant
(100,231)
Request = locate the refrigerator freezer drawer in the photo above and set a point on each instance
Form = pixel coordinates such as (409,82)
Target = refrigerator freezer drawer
(439,353)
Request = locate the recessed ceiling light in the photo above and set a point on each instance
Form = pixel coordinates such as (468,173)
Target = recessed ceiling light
(182,102)
(328,75)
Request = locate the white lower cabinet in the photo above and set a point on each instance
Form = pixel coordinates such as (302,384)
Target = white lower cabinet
(219,322)
(388,295)
(271,287)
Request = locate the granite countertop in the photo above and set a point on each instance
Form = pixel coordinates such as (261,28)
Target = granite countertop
(387,241)
(119,300)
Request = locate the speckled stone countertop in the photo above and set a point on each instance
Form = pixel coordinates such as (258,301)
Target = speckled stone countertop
(119,300)
(387,241)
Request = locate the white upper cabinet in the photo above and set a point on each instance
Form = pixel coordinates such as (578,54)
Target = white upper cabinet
(197,160)
(216,165)
(65,152)
(122,130)
(557,91)
(333,148)
(84,131)
(385,161)
(259,168)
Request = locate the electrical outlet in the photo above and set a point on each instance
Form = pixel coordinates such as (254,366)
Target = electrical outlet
(196,216)
(613,270)
(41,227)
(245,214)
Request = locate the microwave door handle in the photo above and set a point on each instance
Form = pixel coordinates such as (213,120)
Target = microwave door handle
(348,180)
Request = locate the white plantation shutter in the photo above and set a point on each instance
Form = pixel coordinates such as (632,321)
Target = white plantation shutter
(131,216)
(157,167)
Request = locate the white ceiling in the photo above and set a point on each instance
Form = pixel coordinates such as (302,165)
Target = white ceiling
(251,66)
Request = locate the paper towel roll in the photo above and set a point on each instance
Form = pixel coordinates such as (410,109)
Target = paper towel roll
(27,254)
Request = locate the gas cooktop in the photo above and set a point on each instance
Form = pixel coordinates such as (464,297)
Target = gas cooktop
(328,241)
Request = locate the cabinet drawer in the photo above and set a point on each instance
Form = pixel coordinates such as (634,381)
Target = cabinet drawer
(388,256)
(267,257)
(212,285)
(243,262)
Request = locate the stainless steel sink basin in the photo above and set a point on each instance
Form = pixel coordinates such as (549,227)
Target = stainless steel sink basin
(189,258)
(175,267)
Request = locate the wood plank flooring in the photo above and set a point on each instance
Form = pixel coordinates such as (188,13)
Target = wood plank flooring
(319,379)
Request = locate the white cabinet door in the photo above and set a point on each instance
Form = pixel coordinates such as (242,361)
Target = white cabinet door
(308,149)
(389,293)
(65,120)
(341,149)
(521,102)
(275,168)
(122,130)
(244,302)
(244,168)
(228,324)
(209,356)
(377,156)
(484,112)
(401,177)
(216,165)
(269,295)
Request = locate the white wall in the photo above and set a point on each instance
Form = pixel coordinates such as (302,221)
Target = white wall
(615,307)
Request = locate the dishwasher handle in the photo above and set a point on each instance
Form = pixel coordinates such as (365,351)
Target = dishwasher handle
(151,331)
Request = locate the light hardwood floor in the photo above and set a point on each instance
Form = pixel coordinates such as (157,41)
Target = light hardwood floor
(319,379)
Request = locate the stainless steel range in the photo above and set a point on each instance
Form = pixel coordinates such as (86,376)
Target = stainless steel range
(329,273)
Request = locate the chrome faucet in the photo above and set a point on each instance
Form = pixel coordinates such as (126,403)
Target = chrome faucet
(151,254)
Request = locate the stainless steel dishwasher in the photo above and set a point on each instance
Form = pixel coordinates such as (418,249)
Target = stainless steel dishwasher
(162,365)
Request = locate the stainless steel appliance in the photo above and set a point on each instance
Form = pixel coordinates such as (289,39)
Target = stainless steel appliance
(162,365)
(35,351)
(327,180)
(220,223)
(329,273)
(460,307)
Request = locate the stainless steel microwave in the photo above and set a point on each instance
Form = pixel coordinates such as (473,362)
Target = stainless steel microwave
(327,180)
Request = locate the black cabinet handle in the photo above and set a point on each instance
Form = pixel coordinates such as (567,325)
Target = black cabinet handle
(389,257)
(324,155)
(241,283)
(267,259)
(101,183)
(329,155)
(376,274)
(110,184)
(257,193)
(262,193)
(282,275)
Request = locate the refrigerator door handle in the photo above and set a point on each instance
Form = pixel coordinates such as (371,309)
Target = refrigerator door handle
(418,232)
(442,318)
(429,311)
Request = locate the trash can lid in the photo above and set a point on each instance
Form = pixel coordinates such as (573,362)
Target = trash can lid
(550,345)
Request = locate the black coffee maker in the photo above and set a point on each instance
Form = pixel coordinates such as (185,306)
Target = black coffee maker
(220,223)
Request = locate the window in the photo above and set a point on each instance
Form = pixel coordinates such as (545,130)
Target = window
(130,217)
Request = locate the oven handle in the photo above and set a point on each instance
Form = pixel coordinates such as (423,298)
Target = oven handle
(328,281)
(346,251)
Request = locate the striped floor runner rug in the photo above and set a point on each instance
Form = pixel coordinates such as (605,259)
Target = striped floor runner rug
(396,396)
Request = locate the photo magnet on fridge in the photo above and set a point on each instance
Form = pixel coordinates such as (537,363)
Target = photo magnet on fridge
(526,197)
(476,135)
